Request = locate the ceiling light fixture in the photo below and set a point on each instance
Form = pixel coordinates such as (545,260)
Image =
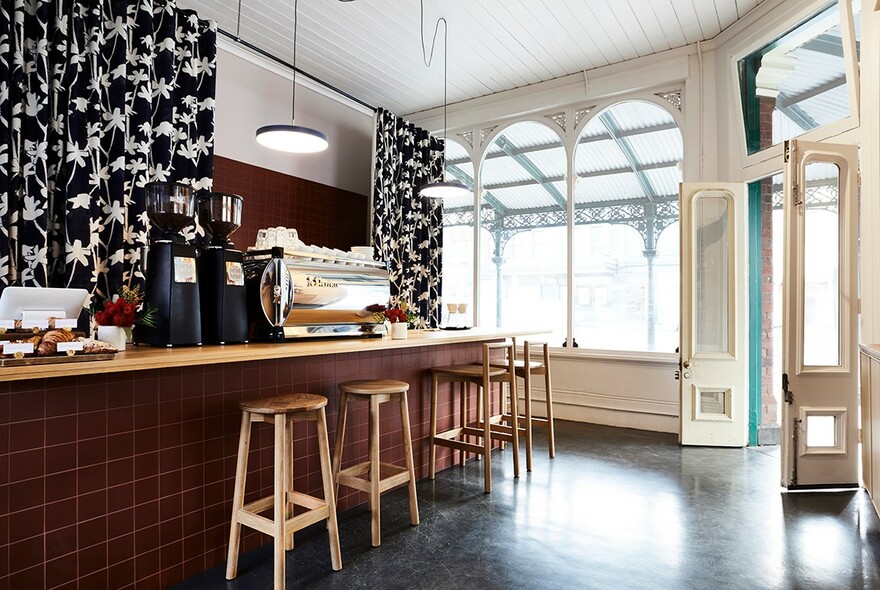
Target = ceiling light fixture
(449,188)
(292,138)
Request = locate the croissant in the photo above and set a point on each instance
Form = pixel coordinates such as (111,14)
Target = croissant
(49,344)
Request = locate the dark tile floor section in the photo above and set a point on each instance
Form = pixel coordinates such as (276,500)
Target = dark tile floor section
(617,508)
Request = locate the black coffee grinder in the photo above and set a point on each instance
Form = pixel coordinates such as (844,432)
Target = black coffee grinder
(171,279)
(221,277)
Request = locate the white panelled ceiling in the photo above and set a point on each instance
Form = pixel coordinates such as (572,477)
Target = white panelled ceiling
(371,48)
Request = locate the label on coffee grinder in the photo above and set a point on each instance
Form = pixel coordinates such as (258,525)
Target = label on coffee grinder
(234,274)
(184,269)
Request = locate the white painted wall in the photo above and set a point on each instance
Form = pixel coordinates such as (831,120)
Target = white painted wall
(252,92)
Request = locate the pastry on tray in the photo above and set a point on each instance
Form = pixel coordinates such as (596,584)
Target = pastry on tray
(49,343)
(92,346)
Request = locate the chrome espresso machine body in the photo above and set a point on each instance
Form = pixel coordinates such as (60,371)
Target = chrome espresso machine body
(292,296)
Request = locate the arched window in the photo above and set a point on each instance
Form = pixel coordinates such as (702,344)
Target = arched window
(458,234)
(626,281)
(523,263)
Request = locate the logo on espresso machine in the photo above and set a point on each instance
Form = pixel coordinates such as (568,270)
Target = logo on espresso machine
(319,282)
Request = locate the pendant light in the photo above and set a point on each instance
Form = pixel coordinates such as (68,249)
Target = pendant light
(292,138)
(447,189)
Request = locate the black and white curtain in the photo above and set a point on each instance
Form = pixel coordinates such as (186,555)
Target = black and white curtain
(97,99)
(408,228)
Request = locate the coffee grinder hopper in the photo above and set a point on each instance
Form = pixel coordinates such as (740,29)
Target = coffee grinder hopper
(220,214)
(171,207)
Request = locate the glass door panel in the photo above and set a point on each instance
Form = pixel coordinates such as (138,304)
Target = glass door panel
(712,274)
(821,281)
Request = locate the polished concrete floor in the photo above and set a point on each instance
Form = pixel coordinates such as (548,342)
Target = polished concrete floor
(616,508)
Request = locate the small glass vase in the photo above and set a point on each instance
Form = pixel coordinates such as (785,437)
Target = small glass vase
(114,335)
(399,331)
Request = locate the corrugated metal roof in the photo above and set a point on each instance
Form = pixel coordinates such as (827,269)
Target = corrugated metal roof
(608,169)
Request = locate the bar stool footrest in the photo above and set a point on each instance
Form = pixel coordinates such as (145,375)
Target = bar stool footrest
(390,476)
(249,515)
(459,445)
(497,431)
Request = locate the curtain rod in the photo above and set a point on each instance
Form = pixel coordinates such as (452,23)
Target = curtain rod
(289,66)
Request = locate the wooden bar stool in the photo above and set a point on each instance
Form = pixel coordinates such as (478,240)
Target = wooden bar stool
(489,428)
(524,369)
(282,411)
(380,477)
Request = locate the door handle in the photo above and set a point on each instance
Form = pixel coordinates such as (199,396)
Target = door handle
(686,364)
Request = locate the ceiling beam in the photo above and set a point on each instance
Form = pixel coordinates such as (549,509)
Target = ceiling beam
(821,89)
(828,44)
(623,143)
(593,174)
(798,115)
(464,177)
(558,144)
(532,170)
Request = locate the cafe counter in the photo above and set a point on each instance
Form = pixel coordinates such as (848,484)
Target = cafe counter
(119,473)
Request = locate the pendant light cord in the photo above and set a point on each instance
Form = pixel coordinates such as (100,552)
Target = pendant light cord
(293,99)
(428,59)
(238,22)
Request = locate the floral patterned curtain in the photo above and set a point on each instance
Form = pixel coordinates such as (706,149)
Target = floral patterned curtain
(96,100)
(408,228)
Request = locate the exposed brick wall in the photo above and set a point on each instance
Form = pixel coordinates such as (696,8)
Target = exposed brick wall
(322,214)
(769,407)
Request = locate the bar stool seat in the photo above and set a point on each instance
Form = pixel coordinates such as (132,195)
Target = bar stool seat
(373,476)
(284,403)
(487,429)
(282,411)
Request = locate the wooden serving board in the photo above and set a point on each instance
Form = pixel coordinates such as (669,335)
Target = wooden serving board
(56,359)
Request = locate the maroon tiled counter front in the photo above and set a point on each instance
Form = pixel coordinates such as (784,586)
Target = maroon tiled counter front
(125,478)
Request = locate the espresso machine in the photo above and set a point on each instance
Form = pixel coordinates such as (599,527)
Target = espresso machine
(172,286)
(221,276)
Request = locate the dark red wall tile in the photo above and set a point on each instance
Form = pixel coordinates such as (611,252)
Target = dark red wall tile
(136,490)
(322,215)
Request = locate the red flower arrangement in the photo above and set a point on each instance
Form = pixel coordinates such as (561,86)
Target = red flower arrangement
(394,314)
(126,310)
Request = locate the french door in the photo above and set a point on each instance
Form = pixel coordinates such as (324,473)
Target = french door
(820,307)
(714,315)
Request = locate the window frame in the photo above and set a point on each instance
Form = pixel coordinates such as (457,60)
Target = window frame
(478,141)
(754,165)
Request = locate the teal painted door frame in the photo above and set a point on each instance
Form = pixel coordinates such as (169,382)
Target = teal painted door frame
(755,308)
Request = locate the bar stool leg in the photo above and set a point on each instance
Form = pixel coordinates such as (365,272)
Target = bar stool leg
(375,472)
(527,386)
(408,455)
(479,456)
(327,479)
(280,510)
(288,499)
(341,419)
(487,437)
(462,454)
(551,435)
(514,413)
(432,453)
(244,443)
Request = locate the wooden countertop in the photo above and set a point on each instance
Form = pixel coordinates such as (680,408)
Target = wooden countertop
(143,357)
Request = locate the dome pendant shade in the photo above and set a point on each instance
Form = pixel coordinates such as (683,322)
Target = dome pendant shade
(444,190)
(292,138)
